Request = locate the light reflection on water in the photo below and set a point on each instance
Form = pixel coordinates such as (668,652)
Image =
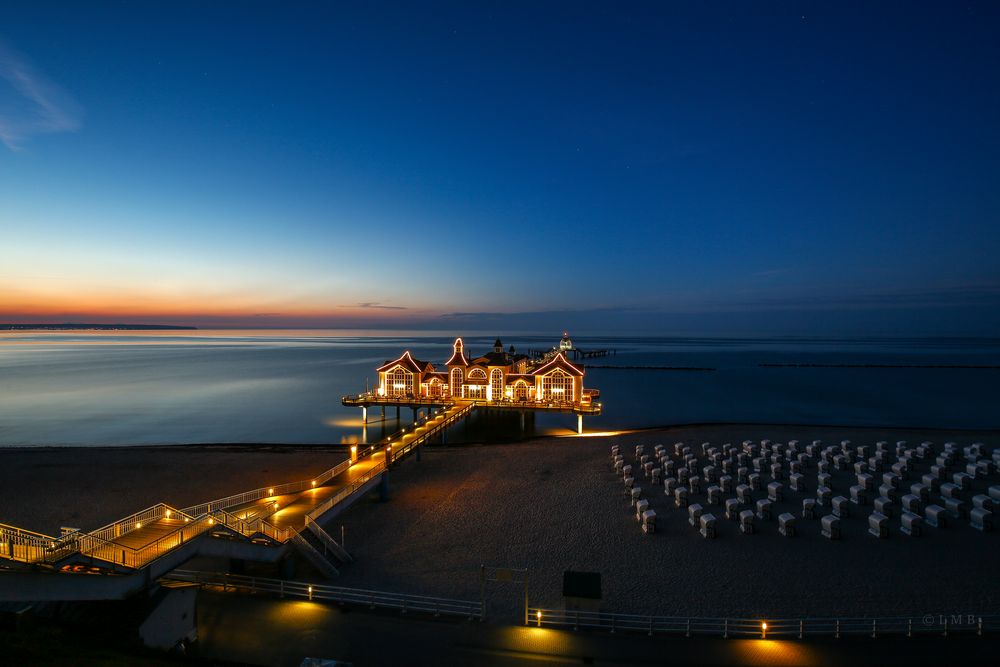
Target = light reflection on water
(86,388)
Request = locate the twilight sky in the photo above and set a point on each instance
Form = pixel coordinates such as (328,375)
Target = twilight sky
(664,167)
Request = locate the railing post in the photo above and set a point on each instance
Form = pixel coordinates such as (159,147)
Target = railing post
(281,588)
(687,633)
(874,634)
(979,625)
(725,630)
(650,626)
(909,627)
(837,636)
(945,633)
(801,628)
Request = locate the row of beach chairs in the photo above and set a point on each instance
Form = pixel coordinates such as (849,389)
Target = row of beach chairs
(976,466)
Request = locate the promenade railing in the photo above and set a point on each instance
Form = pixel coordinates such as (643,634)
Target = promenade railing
(373,599)
(907,626)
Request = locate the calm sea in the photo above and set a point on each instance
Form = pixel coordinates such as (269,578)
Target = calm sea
(121,388)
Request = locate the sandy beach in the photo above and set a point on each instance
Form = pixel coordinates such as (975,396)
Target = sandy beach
(550,505)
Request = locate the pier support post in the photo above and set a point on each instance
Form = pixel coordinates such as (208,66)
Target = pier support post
(579,424)
(364,414)
(419,447)
(521,413)
(397,413)
(414,415)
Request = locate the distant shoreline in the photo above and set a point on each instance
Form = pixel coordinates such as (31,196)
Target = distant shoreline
(73,326)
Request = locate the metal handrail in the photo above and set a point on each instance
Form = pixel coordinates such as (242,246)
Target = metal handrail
(374,599)
(269,491)
(782,627)
(23,545)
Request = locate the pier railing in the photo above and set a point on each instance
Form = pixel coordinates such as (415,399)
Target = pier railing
(24,545)
(372,599)
(268,491)
(906,626)
(582,407)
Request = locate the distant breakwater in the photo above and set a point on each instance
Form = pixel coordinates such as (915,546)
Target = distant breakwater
(651,368)
(975,366)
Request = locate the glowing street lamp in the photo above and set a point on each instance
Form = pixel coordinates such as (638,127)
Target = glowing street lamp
(763,630)
(538,616)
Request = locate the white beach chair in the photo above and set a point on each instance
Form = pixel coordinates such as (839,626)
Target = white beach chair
(775,490)
(726,482)
(912,503)
(831,527)
(746,522)
(840,507)
(732,506)
(859,496)
(635,495)
(936,516)
(743,493)
(649,522)
(786,524)
(981,519)
(809,508)
(878,524)
(694,514)
(707,526)
(669,486)
(714,495)
(949,490)
(931,481)
(695,485)
(884,506)
(764,509)
(956,508)
(754,481)
(681,497)
(982,502)
(910,524)
(641,507)
(823,495)
(797,481)
(888,491)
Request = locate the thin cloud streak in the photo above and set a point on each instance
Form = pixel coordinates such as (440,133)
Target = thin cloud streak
(37,106)
(372,304)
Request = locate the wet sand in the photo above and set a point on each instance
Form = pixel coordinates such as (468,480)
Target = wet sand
(550,505)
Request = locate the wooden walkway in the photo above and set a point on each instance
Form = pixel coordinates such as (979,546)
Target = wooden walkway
(276,513)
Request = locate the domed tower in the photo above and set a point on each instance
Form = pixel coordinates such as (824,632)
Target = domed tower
(565,344)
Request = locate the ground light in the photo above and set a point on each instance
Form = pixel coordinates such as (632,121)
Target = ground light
(538,615)
(763,630)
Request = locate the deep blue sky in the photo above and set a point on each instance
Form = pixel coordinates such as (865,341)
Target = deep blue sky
(713,168)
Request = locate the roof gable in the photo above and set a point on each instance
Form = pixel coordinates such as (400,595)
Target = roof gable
(558,361)
(407,362)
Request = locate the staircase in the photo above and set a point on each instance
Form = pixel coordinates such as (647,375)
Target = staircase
(312,547)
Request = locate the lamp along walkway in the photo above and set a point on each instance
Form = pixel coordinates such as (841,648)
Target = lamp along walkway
(268,516)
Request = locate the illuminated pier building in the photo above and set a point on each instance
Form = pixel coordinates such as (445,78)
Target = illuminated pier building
(498,379)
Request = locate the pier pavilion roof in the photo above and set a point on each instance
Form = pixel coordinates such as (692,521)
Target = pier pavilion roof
(558,361)
(457,358)
(409,363)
